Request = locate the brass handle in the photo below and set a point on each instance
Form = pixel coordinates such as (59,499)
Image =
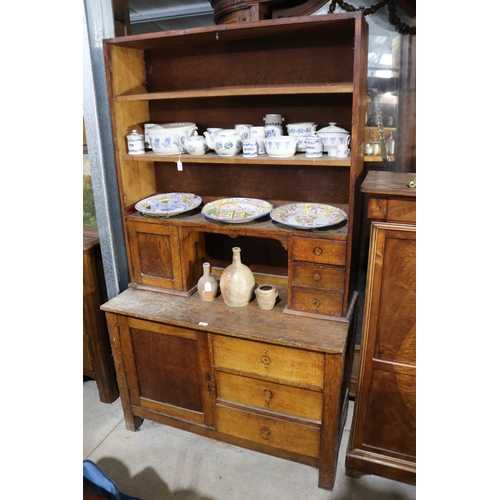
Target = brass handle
(316,303)
(318,251)
(317,277)
(208,379)
(268,394)
(265,432)
(265,360)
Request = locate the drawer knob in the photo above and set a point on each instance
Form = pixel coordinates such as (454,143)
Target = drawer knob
(316,303)
(317,277)
(265,360)
(318,251)
(268,394)
(265,432)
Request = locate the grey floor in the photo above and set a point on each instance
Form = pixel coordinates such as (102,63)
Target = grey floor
(162,463)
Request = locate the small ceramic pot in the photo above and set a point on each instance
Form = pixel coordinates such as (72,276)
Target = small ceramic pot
(196,145)
(266,296)
(342,151)
(274,119)
(273,131)
(250,148)
(314,146)
(135,143)
(210,134)
(227,142)
(244,130)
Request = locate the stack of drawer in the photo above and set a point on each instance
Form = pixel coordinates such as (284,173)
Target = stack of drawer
(318,276)
(269,395)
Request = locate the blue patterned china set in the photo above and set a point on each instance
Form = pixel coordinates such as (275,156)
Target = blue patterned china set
(250,140)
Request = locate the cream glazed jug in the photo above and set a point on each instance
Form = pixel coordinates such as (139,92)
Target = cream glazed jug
(237,282)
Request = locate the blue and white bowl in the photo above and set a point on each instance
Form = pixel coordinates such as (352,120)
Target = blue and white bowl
(303,128)
(282,146)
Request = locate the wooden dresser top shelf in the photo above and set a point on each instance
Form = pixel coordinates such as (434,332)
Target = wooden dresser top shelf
(247,322)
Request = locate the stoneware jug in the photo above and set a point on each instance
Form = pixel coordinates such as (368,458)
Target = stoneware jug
(266,296)
(237,282)
(207,284)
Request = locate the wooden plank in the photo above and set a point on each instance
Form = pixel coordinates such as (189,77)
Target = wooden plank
(333,88)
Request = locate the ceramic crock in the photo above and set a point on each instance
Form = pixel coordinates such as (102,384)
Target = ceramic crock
(227,142)
(333,136)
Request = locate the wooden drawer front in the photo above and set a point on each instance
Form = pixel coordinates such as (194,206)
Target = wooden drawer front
(382,208)
(317,276)
(319,251)
(267,395)
(315,302)
(268,431)
(266,360)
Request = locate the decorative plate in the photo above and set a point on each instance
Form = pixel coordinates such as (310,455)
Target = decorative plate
(236,210)
(168,204)
(308,215)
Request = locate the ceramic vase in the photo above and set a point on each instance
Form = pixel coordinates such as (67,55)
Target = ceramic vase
(207,284)
(266,296)
(237,282)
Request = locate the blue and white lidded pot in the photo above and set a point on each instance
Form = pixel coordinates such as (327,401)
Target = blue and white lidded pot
(135,142)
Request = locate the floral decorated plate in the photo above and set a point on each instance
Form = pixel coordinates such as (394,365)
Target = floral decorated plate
(168,204)
(308,215)
(236,210)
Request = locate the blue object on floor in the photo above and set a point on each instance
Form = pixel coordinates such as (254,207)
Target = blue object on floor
(95,478)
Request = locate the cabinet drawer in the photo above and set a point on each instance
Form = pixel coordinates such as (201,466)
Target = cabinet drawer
(267,395)
(284,435)
(317,276)
(315,302)
(296,366)
(319,251)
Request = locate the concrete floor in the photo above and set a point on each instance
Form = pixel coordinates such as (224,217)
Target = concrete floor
(161,463)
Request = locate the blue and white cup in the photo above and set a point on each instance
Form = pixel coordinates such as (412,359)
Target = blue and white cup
(244,130)
(314,146)
(273,131)
(250,148)
(342,151)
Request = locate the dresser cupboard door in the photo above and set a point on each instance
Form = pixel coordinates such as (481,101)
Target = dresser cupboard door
(384,423)
(155,255)
(168,370)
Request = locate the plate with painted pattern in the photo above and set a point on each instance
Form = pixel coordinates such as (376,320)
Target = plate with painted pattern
(236,210)
(308,215)
(168,204)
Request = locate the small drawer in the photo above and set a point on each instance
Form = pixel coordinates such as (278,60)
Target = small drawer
(319,251)
(270,396)
(315,302)
(281,434)
(296,366)
(317,276)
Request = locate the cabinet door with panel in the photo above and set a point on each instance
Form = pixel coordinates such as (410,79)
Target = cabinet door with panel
(383,432)
(166,369)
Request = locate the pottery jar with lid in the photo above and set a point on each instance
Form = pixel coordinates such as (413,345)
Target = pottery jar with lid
(237,282)
(333,136)
(135,143)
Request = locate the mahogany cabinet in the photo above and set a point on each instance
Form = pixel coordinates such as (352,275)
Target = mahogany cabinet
(97,361)
(274,381)
(383,432)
